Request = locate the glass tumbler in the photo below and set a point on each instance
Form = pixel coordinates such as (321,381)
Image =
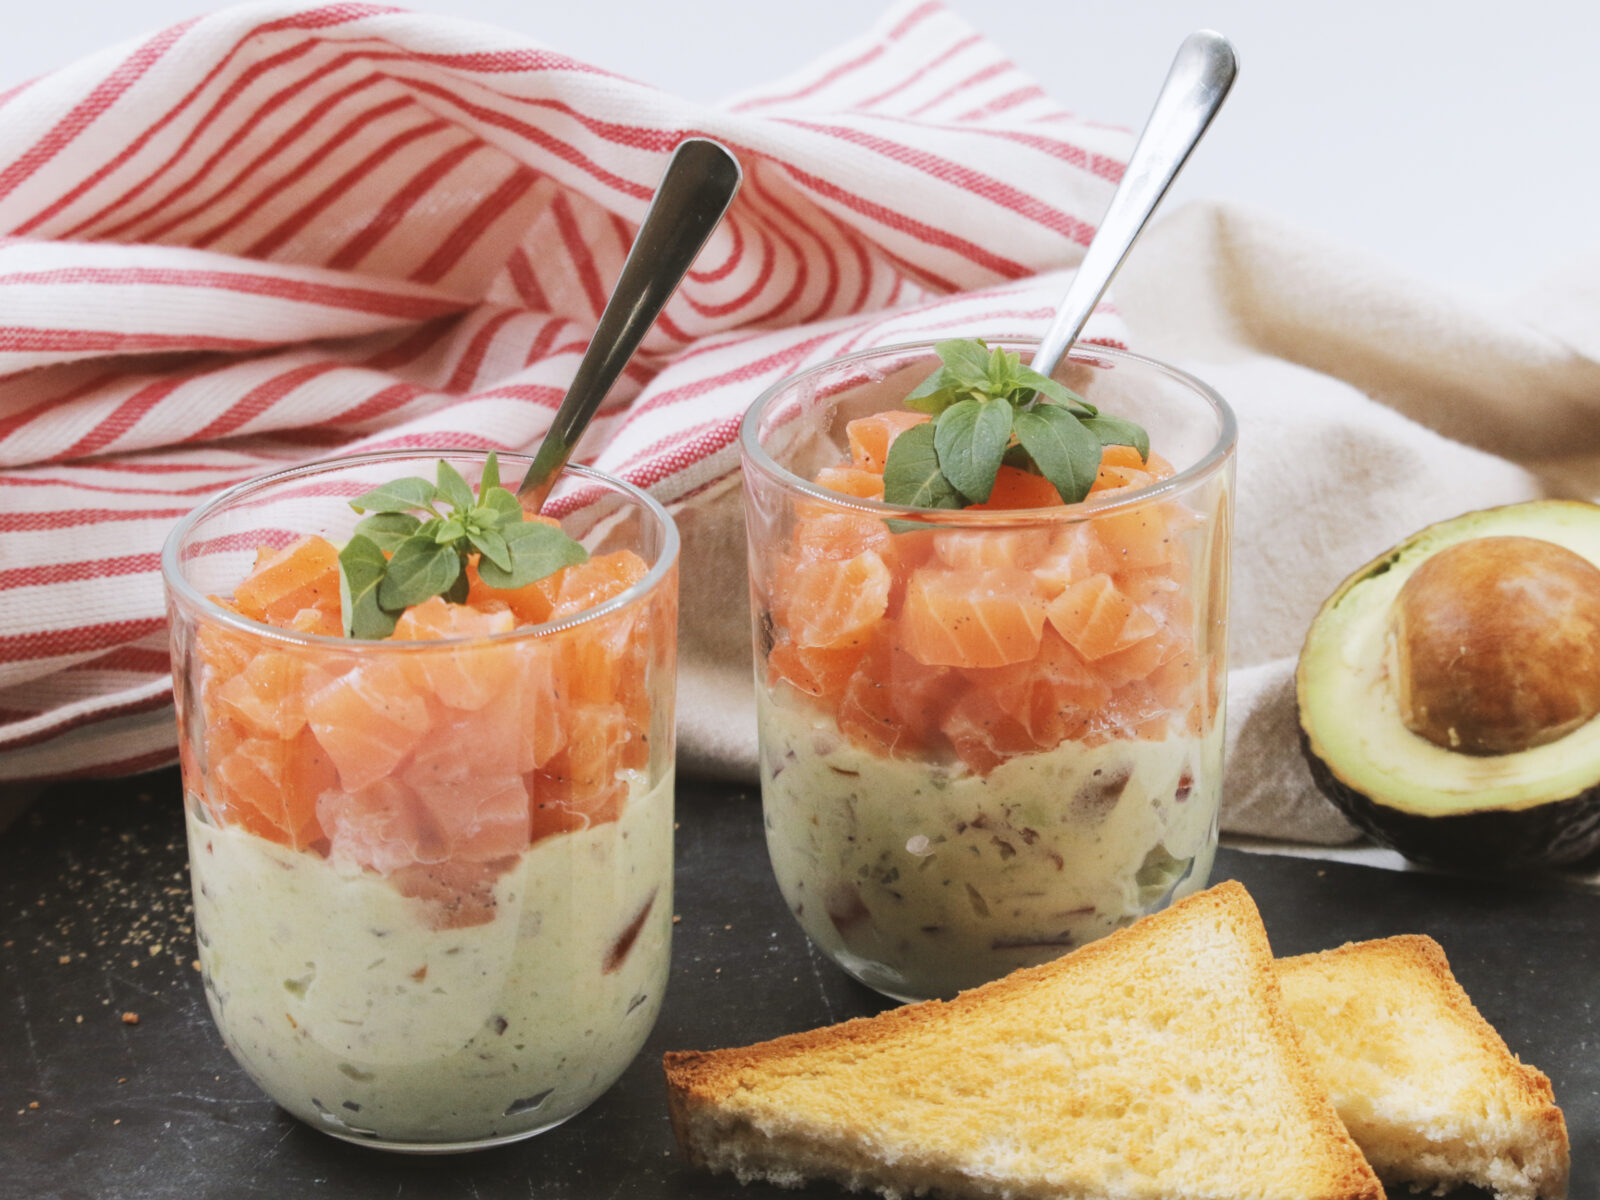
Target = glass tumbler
(432,874)
(987,735)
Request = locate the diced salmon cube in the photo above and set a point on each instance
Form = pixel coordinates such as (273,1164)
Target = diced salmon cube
(871,437)
(971,618)
(852,481)
(368,721)
(302,575)
(834,604)
(975,549)
(1096,619)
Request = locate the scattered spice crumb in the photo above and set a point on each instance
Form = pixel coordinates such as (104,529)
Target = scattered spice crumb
(195,963)
(129,1018)
(80,1019)
(124,1079)
(118,1121)
(33,1104)
(64,959)
(727,926)
(676,918)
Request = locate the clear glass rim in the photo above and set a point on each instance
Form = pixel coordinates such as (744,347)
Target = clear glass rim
(180,588)
(755,454)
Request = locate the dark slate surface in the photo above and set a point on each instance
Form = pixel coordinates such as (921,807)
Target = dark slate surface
(93,880)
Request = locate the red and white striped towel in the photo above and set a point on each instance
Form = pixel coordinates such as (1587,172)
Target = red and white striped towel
(281,232)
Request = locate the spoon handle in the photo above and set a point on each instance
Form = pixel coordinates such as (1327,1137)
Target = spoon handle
(1201,74)
(695,190)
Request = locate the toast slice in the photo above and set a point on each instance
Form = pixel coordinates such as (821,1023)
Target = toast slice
(1425,1085)
(1156,1062)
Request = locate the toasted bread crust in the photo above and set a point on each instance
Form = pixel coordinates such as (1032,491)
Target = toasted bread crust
(702,1084)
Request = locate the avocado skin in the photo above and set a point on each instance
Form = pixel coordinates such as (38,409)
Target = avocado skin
(1489,842)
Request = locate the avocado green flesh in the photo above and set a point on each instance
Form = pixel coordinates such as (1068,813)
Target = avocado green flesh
(1349,714)
(1557,833)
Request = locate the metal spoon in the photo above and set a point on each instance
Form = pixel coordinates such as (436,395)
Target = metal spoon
(1201,74)
(695,190)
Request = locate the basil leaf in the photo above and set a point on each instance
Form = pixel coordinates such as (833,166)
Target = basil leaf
(420,568)
(1000,372)
(536,550)
(362,567)
(453,488)
(1028,377)
(967,360)
(1116,431)
(459,589)
(449,531)
(935,393)
(507,508)
(970,439)
(912,477)
(388,530)
(492,545)
(401,495)
(1067,454)
(490,478)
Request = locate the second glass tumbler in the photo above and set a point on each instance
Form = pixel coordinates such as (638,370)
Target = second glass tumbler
(988,734)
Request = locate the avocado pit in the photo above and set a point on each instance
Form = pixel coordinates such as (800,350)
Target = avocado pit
(1497,645)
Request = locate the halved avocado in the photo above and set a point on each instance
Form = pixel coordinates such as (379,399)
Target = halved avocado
(1451,715)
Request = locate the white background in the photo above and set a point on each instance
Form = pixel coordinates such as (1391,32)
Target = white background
(1460,141)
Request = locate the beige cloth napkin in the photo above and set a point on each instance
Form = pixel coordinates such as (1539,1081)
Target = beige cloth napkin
(1369,405)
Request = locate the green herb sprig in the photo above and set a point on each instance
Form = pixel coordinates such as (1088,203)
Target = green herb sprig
(427,556)
(990,410)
